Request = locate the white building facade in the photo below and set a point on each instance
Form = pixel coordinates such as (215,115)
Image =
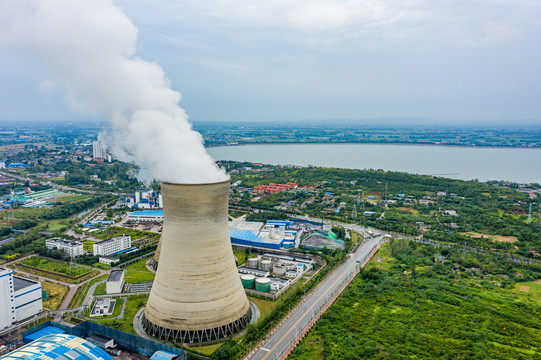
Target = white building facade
(20,298)
(115,282)
(112,246)
(99,150)
(70,247)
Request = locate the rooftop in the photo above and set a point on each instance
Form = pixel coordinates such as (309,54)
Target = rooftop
(147,213)
(103,242)
(115,275)
(20,283)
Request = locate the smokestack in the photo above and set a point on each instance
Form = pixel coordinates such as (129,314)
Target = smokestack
(197,294)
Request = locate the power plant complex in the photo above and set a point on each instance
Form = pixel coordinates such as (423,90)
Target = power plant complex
(197,294)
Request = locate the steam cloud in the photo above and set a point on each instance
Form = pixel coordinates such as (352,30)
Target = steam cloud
(90,47)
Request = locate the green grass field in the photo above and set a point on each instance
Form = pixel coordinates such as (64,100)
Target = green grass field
(136,276)
(139,265)
(134,303)
(56,266)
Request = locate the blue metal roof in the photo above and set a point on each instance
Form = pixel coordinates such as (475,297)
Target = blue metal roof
(163,355)
(148,213)
(58,346)
(49,330)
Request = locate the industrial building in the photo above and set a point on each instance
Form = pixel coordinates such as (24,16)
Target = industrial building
(115,282)
(108,260)
(274,234)
(143,199)
(90,340)
(146,216)
(70,247)
(59,346)
(103,306)
(112,246)
(197,294)
(19,298)
(283,267)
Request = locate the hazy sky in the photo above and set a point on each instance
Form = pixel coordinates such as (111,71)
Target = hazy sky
(264,60)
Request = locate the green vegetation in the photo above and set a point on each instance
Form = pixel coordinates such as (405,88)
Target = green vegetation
(139,265)
(56,266)
(88,245)
(378,131)
(134,303)
(100,289)
(136,276)
(113,231)
(414,301)
(443,209)
(57,293)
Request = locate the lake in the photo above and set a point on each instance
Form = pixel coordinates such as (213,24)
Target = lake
(520,165)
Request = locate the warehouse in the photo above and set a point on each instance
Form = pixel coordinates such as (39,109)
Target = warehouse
(146,216)
(59,346)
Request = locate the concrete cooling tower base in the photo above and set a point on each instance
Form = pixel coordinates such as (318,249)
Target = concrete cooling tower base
(196,336)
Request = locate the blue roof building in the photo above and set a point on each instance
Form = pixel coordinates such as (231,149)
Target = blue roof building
(58,346)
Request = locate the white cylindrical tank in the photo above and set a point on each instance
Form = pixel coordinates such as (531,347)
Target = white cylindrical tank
(253,263)
(265,265)
(197,294)
(279,269)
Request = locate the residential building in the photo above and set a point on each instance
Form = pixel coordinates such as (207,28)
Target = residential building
(70,247)
(112,246)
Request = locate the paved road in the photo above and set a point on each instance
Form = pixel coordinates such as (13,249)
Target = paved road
(289,330)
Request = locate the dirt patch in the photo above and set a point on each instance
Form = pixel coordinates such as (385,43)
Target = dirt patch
(413,211)
(524,288)
(508,239)
(498,238)
(537,282)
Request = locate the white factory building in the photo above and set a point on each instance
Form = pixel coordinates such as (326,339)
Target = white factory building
(112,246)
(146,216)
(143,199)
(70,247)
(19,298)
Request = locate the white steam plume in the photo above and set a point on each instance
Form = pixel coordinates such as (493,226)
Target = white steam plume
(90,47)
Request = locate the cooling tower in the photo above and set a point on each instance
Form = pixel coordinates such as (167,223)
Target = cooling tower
(197,294)
(154,261)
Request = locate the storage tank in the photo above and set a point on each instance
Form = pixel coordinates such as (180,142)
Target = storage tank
(247,281)
(262,284)
(265,265)
(197,294)
(253,263)
(279,269)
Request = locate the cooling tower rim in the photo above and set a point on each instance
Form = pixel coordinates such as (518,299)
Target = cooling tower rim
(196,184)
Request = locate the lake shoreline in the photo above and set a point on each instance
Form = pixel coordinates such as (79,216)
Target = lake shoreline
(378,143)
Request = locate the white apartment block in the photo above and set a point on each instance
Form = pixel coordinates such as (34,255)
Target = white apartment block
(70,247)
(99,150)
(112,246)
(19,298)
